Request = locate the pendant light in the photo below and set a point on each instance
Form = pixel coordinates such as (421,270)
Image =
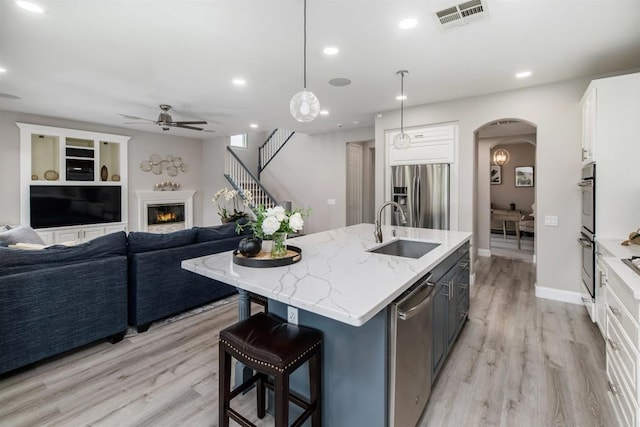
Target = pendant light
(500,157)
(402,140)
(304,105)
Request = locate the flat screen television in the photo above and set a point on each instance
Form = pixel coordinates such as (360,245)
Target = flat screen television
(64,205)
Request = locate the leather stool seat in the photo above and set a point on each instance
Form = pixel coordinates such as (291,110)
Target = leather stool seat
(271,347)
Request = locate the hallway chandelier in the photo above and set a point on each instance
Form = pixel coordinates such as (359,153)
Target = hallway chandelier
(304,105)
(500,157)
(402,140)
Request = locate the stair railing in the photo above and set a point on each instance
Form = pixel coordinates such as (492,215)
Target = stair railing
(242,180)
(272,146)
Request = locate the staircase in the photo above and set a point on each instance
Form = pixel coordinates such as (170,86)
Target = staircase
(272,146)
(241,178)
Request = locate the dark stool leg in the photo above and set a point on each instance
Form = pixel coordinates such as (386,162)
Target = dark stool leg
(260,395)
(281,390)
(315,385)
(224,385)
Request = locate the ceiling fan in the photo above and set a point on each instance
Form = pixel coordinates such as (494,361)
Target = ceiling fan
(165,121)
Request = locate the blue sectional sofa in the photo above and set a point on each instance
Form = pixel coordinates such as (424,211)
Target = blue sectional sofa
(61,298)
(159,287)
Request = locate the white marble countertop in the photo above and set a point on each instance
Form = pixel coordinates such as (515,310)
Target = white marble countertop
(337,277)
(613,253)
(613,247)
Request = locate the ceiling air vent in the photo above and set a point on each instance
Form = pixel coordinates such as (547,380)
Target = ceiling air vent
(462,13)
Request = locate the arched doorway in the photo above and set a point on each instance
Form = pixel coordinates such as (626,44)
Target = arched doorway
(505,193)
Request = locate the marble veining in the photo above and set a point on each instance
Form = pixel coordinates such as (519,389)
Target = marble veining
(336,277)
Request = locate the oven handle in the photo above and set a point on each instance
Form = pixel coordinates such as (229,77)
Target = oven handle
(586,183)
(585,243)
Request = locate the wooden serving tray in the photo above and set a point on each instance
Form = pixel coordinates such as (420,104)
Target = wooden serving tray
(264,260)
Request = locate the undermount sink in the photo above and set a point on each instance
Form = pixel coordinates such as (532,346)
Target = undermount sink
(405,248)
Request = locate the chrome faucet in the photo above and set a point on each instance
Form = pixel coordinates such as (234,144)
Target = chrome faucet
(378,232)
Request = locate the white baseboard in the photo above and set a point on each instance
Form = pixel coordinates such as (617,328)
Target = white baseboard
(558,295)
(484,252)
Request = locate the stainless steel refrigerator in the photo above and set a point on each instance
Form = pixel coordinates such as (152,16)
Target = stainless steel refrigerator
(423,193)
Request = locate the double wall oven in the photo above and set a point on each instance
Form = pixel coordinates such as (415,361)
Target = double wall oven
(587,236)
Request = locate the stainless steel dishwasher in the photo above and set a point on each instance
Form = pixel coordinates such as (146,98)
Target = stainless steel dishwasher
(410,353)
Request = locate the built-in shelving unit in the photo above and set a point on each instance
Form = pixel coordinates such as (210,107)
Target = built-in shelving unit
(60,157)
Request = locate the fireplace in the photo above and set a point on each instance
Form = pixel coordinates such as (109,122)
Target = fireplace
(165,211)
(165,218)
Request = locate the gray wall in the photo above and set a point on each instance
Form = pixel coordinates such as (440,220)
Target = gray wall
(312,169)
(555,110)
(141,146)
(502,195)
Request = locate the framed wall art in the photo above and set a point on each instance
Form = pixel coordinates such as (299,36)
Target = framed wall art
(495,174)
(524,176)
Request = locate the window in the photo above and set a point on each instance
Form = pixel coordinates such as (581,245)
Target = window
(239,141)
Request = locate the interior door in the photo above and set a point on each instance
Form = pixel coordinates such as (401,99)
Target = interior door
(354,184)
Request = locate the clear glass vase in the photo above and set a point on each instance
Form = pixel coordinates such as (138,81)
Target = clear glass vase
(279,249)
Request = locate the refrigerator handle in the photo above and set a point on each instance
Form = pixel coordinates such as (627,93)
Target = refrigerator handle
(416,205)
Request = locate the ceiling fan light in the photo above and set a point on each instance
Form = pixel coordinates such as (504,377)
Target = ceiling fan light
(304,106)
(401,141)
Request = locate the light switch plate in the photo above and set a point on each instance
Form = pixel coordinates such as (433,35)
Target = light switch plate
(331,201)
(551,220)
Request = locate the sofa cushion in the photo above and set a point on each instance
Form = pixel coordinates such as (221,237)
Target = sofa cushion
(21,260)
(144,242)
(20,234)
(218,232)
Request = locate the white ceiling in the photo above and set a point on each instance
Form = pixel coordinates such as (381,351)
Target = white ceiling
(88,60)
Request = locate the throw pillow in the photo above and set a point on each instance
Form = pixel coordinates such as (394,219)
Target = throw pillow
(140,241)
(20,234)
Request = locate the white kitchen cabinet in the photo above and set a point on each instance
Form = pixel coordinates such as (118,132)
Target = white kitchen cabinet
(611,132)
(429,144)
(601,294)
(589,121)
(622,317)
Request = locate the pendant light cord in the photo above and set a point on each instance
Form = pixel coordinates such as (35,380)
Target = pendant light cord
(401,103)
(305,46)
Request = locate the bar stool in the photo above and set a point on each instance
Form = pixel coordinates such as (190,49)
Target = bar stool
(272,348)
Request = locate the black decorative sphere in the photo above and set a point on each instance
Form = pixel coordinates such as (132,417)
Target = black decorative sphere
(250,246)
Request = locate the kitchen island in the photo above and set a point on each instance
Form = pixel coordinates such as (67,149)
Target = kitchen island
(344,290)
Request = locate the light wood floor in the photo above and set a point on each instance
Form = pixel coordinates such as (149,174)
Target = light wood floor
(519,361)
(508,247)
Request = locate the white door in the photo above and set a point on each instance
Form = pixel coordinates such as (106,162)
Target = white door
(354,184)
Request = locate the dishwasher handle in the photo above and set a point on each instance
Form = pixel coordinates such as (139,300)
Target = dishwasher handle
(413,303)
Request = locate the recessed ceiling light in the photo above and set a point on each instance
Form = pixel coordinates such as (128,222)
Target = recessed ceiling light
(253,126)
(355,122)
(3,70)
(31,7)
(238,81)
(523,74)
(324,112)
(401,97)
(408,23)
(330,50)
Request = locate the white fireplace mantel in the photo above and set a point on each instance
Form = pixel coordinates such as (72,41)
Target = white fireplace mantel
(150,198)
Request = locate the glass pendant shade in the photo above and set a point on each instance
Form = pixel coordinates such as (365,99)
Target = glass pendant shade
(401,141)
(500,157)
(304,106)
